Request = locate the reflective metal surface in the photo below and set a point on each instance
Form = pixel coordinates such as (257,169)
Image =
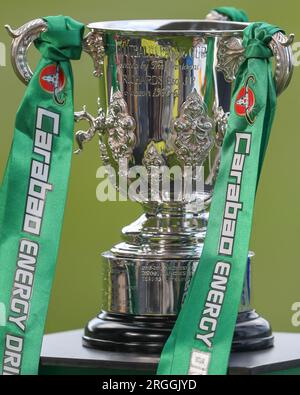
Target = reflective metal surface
(168,87)
(146,287)
(168,27)
(215,25)
(152,287)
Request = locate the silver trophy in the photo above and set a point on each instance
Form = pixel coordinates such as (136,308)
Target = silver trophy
(168,87)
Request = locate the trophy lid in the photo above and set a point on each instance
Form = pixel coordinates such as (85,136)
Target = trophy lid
(169,26)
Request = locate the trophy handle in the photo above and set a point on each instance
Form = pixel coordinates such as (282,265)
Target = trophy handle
(281,46)
(230,55)
(24,36)
(22,40)
(231,52)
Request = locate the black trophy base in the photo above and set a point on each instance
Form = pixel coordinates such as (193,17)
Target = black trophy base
(252,333)
(143,334)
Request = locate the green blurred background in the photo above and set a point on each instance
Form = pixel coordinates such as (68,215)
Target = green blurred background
(91,227)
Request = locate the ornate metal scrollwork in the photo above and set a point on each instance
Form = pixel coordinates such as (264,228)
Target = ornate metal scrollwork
(96,125)
(152,158)
(120,127)
(192,132)
(230,57)
(221,120)
(117,126)
(93,45)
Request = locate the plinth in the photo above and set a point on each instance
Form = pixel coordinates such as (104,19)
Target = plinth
(63,353)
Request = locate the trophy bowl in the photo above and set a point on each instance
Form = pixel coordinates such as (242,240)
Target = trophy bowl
(166,89)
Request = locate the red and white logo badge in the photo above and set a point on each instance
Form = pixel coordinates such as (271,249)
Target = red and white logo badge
(52,80)
(245,101)
(52,77)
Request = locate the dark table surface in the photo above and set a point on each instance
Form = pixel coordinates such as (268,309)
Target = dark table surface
(65,350)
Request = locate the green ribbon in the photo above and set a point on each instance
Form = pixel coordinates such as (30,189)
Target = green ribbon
(235,15)
(33,196)
(201,340)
